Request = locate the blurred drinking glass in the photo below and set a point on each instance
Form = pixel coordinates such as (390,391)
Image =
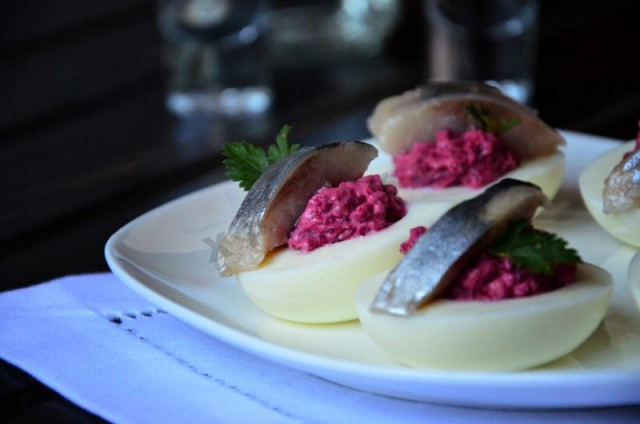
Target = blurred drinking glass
(309,32)
(215,51)
(484,40)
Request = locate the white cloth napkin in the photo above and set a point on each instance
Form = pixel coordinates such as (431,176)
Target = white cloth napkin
(110,351)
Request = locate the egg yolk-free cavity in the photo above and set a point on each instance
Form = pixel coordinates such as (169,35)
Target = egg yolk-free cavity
(545,172)
(496,278)
(501,335)
(320,286)
(472,159)
(624,226)
(352,209)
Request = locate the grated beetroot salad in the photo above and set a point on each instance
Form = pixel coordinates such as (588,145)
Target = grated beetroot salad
(495,278)
(473,159)
(352,209)
(414,235)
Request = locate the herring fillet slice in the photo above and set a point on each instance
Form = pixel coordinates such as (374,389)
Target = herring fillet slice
(622,187)
(441,254)
(399,121)
(272,206)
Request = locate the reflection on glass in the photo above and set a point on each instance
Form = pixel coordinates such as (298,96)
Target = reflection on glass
(215,52)
(484,40)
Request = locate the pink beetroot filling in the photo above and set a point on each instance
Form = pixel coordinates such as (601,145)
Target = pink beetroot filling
(352,209)
(495,278)
(473,159)
(414,235)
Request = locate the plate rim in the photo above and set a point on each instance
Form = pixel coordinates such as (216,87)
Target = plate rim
(312,362)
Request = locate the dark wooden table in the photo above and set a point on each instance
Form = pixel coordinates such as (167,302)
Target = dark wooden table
(86,143)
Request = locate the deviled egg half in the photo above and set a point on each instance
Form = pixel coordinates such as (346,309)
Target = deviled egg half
(311,230)
(449,140)
(461,298)
(610,188)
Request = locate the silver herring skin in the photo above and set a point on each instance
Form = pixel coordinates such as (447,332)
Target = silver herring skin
(622,187)
(442,253)
(416,115)
(272,206)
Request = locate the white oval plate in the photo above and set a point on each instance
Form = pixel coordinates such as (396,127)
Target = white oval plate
(166,255)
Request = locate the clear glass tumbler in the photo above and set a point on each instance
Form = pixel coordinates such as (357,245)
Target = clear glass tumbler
(215,52)
(484,40)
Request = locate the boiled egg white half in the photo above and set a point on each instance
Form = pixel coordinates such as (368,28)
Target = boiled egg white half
(623,226)
(633,277)
(545,172)
(503,335)
(320,286)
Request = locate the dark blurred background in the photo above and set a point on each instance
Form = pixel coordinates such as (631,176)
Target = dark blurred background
(87,144)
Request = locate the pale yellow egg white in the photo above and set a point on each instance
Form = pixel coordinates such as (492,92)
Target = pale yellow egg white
(320,286)
(624,226)
(546,172)
(633,277)
(501,335)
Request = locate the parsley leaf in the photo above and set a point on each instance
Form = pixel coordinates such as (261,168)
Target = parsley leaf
(535,250)
(246,162)
(490,123)
(281,148)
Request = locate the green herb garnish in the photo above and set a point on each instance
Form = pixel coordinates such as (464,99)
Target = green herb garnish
(282,148)
(246,162)
(490,123)
(532,249)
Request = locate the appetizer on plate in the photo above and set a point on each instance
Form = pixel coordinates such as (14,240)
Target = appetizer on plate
(610,187)
(501,296)
(449,140)
(311,229)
